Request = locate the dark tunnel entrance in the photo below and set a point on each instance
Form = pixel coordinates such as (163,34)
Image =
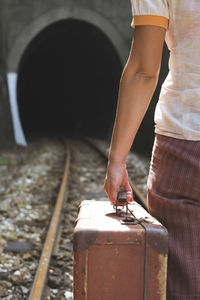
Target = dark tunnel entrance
(68,81)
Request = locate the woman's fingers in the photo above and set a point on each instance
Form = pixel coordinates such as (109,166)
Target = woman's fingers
(126,186)
(111,190)
(116,178)
(112,197)
(129,195)
(113,180)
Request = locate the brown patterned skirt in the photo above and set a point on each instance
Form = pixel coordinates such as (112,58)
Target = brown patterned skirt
(174,199)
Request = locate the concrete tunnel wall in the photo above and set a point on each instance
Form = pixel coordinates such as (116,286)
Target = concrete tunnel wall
(22,21)
(108,16)
(30,31)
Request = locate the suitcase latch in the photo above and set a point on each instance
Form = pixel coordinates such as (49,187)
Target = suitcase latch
(134,221)
(129,221)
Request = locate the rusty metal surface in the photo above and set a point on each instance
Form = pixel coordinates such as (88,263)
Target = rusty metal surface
(40,277)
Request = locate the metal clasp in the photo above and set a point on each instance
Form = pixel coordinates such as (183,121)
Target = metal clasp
(129,221)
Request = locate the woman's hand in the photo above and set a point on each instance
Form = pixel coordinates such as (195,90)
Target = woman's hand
(116,178)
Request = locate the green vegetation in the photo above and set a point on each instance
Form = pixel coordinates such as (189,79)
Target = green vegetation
(5,161)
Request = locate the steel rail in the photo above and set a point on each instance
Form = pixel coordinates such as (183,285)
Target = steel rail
(39,283)
(138,197)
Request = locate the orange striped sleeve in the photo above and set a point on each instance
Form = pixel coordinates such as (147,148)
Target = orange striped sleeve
(150,20)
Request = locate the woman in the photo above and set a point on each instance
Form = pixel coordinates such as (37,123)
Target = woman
(174,177)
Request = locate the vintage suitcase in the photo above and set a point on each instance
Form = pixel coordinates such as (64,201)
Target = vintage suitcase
(118,258)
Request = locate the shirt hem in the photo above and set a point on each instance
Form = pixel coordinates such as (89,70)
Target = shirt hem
(177,136)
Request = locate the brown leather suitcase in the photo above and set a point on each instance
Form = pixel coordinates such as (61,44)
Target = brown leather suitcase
(118,258)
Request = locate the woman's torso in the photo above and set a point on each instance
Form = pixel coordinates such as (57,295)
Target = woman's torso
(178,110)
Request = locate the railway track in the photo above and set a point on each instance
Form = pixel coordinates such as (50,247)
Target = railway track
(38,287)
(53,242)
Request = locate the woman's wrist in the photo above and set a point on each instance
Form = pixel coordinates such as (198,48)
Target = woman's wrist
(116,159)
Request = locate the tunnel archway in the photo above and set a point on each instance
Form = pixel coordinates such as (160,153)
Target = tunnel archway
(68,80)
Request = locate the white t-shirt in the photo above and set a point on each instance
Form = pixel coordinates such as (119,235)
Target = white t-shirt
(178,110)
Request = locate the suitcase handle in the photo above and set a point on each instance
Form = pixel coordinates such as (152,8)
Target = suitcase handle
(128,220)
(121,197)
(122,202)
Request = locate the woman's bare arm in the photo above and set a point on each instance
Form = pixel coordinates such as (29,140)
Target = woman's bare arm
(137,86)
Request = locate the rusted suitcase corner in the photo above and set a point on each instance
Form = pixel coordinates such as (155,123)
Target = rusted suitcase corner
(157,237)
(84,238)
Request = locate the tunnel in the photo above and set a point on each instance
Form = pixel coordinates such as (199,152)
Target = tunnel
(68,80)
